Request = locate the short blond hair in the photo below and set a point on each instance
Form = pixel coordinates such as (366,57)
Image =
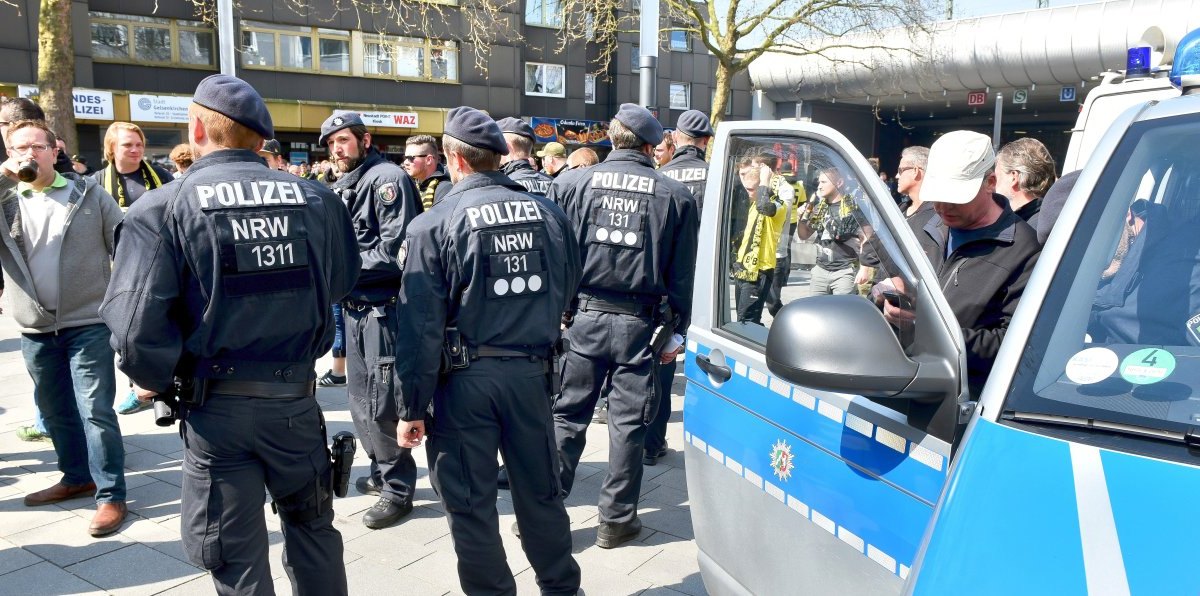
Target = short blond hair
(110,137)
(224,131)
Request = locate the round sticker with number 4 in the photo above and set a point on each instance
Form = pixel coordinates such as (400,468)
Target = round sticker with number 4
(1148,365)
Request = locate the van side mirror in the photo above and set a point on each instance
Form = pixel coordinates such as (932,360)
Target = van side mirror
(841,344)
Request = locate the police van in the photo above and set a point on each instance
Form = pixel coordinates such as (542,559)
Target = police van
(829,453)
(1141,81)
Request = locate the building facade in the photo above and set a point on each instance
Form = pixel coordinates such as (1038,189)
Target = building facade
(140,60)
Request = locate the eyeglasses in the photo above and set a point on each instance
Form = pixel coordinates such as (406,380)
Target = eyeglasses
(412,157)
(35,148)
(903,170)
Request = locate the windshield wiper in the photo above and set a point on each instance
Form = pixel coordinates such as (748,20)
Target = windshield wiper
(1191,438)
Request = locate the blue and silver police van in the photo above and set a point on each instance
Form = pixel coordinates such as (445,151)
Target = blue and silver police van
(829,453)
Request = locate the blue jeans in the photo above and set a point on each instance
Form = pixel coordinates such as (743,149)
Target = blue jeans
(339,332)
(75,384)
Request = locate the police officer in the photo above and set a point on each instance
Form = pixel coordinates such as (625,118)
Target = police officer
(637,233)
(687,165)
(519,137)
(382,200)
(224,276)
(692,133)
(488,273)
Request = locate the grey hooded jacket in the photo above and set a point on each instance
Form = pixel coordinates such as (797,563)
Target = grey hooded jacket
(85,263)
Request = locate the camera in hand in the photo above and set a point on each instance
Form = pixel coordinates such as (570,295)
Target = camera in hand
(27,171)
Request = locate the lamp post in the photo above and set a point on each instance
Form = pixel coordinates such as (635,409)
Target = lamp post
(225,37)
(648,60)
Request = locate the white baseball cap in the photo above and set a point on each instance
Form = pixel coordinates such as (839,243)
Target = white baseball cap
(958,164)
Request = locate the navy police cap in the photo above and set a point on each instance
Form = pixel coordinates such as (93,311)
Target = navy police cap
(641,122)
(475,129)
(236,99)
(337,122)
(515,126)
(694,123)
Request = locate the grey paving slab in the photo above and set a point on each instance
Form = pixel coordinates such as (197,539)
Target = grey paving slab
(671,520)
(156,501)
(15,517)
(382,547)
(667,571)
(368,577)
(135,570)
(162,537)
(164,443)
(67,542)
(13,557)
(46,579)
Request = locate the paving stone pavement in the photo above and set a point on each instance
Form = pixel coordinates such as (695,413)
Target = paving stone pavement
(46,550)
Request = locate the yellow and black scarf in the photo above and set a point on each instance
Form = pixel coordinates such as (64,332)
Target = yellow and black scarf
(112,181)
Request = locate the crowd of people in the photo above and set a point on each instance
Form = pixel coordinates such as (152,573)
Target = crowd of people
(485,303)
(452,293)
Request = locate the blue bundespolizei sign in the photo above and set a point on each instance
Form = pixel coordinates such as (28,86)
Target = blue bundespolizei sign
(1066,94)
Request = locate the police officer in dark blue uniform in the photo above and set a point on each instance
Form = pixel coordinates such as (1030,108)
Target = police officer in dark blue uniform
(382,200)
(692,133)
(637,232)
(488,273)
(225,276)
(519,136)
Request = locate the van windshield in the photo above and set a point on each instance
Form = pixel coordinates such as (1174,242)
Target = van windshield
(1116,346)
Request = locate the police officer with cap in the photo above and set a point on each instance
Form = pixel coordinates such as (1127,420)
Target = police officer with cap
(488,272)
(224,276)
(692,133)
(637,233)
(382,200)
(519,137)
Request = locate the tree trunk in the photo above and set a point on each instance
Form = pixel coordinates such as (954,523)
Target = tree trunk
(721,93)
(56,69)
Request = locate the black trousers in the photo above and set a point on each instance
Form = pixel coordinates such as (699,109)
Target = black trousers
(370,360)
(610,353)
(752,295)
(235,445)
(656,431)
(500,405)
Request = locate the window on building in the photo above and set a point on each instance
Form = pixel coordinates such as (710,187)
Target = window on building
(288,47)
(543,13)
(155,41)
(410,58)
(589,88)
(681,41)
(681,96)
(545,80)
(637,55)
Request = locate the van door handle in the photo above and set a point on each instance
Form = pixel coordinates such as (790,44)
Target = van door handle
(720,372)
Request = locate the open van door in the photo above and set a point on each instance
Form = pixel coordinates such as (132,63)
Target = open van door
(796,490)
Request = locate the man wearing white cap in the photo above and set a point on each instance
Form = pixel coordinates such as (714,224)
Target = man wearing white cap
(982,251)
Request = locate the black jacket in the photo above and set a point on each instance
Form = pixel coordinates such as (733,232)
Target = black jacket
(522,173)
(637,230)
(983,281)
(382,200)
(687,165)
(496,263)
(227,273)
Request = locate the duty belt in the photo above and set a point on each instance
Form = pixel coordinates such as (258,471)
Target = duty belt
(494,352)
(637,309)
(359,306)
(262,389)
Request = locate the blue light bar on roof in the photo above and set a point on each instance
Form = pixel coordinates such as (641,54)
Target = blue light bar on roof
(1137,62)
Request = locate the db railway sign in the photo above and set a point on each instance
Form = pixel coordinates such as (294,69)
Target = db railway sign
(976,98)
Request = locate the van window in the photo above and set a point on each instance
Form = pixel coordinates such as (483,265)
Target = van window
(813,229)
(1115,351)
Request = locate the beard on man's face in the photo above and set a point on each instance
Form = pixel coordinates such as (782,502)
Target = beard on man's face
(350,163)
